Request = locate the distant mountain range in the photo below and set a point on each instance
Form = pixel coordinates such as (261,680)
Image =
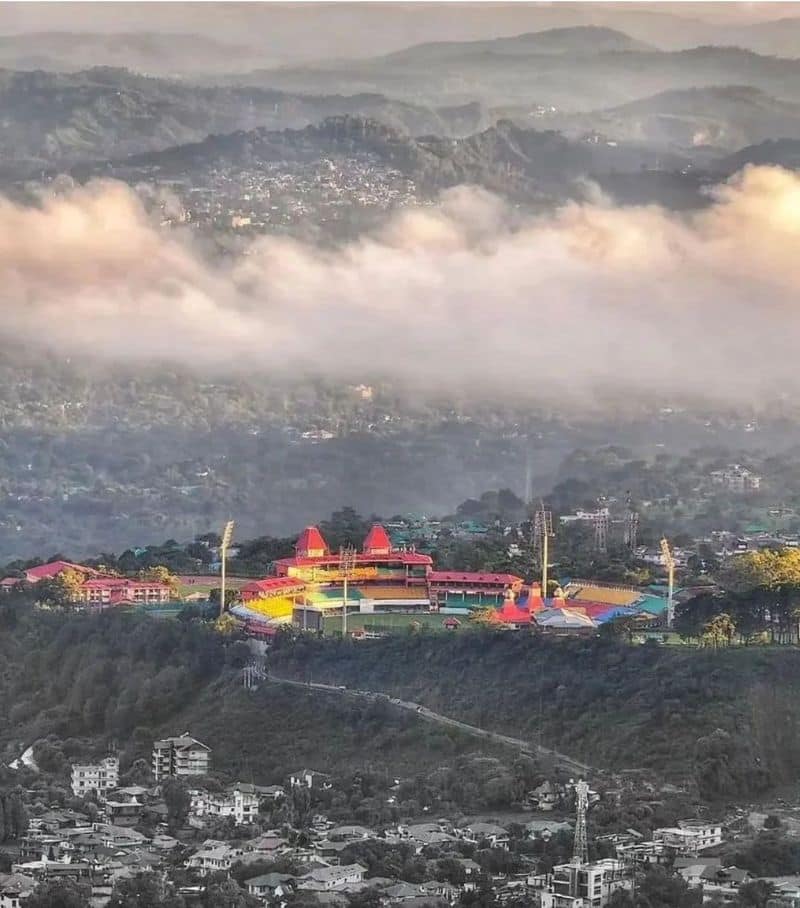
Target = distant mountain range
(720,118)
(589,39)
(62,118)
(567,70)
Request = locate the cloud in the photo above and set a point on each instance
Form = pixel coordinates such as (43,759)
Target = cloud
(590,301)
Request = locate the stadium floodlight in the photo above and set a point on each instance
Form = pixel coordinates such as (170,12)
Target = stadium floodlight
(669,562)
(227,535)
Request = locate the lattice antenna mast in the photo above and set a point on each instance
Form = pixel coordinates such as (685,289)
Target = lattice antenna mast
(669,562)
(543,533)
(580,853)
(347,561)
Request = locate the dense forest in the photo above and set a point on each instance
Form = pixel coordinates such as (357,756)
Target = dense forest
(74,686)
(726,720)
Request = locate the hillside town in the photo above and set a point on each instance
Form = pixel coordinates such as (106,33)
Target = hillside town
(185,831)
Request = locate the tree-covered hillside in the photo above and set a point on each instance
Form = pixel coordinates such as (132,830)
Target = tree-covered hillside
(80,685)
(728,720)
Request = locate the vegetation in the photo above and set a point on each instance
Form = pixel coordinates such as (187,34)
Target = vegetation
(727,720)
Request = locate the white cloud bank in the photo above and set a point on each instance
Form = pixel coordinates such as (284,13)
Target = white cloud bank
(592,300)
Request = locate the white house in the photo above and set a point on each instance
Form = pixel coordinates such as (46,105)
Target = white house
(690,837)
(239,801)
(324,879)
(99,777)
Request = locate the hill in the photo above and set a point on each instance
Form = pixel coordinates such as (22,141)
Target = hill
(147,52)
(528,164)
(79,682)
(726,117)
(728,720)
(780,152)
(55,119)
(586,39)
(571,81)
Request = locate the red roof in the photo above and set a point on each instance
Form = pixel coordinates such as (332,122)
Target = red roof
(122,584)
(311,540)
(361,559)
(511,613)
(270,585)
(474,577)
(377,541)
(54,568)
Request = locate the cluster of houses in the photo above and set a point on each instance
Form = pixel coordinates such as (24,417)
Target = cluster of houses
(107,844)
(95,588)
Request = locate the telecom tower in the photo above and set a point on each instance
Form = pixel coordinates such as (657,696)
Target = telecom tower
(580,853)
(542,533)
(631,524)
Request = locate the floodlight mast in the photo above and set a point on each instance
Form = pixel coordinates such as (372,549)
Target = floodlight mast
(347,560)
(669,561)
(227,535)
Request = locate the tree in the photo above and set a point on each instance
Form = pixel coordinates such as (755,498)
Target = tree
(756,894)
(178,801)
(228,894)
(160,574)
(144,890)
(60,894)
(719,631)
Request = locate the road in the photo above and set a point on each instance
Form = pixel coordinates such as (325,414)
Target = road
(525,747)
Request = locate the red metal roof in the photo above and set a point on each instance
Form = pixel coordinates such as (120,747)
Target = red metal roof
(511,613)
(54,568)
(361,559)
(123,583)
(311,540)
(476,577)
(270,585)
(377,541)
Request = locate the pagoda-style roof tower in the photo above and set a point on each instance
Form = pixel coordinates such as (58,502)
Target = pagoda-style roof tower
(377,541)
(311,544)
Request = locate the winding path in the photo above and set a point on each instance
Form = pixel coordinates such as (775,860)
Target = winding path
(525,747)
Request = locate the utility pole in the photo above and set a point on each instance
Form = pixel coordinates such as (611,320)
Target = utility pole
(347,560)
(227,534)
(669,561)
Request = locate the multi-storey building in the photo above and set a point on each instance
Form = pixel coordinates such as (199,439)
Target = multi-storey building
(239,802)
(98,777)
(689,837)
(579,885)
(123,591)
(180,756)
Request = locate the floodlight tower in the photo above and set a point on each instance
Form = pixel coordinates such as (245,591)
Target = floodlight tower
(227,534)
(543,530)
(669,561)
(631,524)
(347,560)
(580,851)
(601,530)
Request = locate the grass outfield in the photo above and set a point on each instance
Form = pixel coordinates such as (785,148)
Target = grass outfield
(392,622)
